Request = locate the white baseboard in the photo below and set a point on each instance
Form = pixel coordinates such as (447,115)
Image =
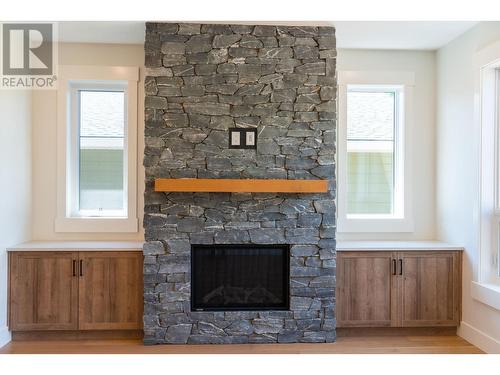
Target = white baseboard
(5,336)
(478,338)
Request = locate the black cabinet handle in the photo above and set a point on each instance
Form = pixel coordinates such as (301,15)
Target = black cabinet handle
(81,267)
(74,267)
(401,266)
(394,266)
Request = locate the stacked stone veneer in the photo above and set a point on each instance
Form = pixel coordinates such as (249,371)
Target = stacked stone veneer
(200,81)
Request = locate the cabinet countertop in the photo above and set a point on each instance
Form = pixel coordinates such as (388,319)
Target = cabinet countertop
(78,246)
(137,246)
(396,246)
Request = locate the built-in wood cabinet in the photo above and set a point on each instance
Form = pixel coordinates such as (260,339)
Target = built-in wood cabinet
(430,288)
(59,290)
(398,289)
(43,291)
(110,290)
(364,292)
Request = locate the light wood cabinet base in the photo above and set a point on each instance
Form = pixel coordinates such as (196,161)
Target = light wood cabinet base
(77,335)
(75,290)
(398,288)
(396,331)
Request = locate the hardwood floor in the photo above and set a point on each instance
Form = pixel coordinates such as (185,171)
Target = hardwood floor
(414,344)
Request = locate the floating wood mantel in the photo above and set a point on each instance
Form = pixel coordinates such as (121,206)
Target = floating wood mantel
(208,185)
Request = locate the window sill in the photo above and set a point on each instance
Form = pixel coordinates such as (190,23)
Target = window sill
(96,225)
(346,225)
(488,294)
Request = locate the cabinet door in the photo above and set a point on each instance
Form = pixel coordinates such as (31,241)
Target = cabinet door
(43,291)
(430,288)
(110,290)
(365,289)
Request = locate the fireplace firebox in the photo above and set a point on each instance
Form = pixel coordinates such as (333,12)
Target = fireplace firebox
(240,277)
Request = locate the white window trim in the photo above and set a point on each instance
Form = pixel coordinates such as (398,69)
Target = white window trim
(375,223)
(64,222)
(486,285)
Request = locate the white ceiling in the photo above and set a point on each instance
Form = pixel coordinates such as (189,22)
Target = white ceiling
(114,32)
(426,35)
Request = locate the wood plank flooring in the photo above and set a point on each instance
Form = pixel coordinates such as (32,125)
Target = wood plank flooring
(407,344)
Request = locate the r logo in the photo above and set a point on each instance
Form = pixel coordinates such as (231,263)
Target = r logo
(27,49)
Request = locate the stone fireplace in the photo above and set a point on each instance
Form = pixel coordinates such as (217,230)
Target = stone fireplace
(202,80)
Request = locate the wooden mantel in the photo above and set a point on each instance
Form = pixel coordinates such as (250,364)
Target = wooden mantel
(240,185)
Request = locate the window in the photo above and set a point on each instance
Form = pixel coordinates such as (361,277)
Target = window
(494,271)
(97,149)
(100,166)
(485,286)
(373,121)
(489,271)
(372,126)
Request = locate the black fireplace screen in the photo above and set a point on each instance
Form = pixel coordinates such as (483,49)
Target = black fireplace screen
(240,277)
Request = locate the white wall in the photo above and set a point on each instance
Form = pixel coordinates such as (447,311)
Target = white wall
(422,63)
(457,171)
(44,140)
(15,184)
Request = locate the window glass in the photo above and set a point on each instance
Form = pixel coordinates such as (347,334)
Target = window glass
(101,150)
(370,151)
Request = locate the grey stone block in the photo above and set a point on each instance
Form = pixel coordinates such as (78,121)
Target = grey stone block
(167,28)
(173,60)
(309,220)
(153,248)
(268,325)
(174,268)
(304,271)
(231,236)
(324,206)
(327,232)
(313,337)
(239,327)
(326,42)
(313,262)
(263,338)
(289,336)
(313,68)
(309,324)
(178,334)
(202,238)
(224,41)
(263,30)
(189,29)
(323,282)
(217,56)
(300,303)
(213,109)
(173,48)
(276,53)
(250,41)
(304,250)
(327,254)
(183,70)
(190,224)
(283,96)
(178,246)
(267,236)
(208,328)
(199,43)
(305,52)
(155,102)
